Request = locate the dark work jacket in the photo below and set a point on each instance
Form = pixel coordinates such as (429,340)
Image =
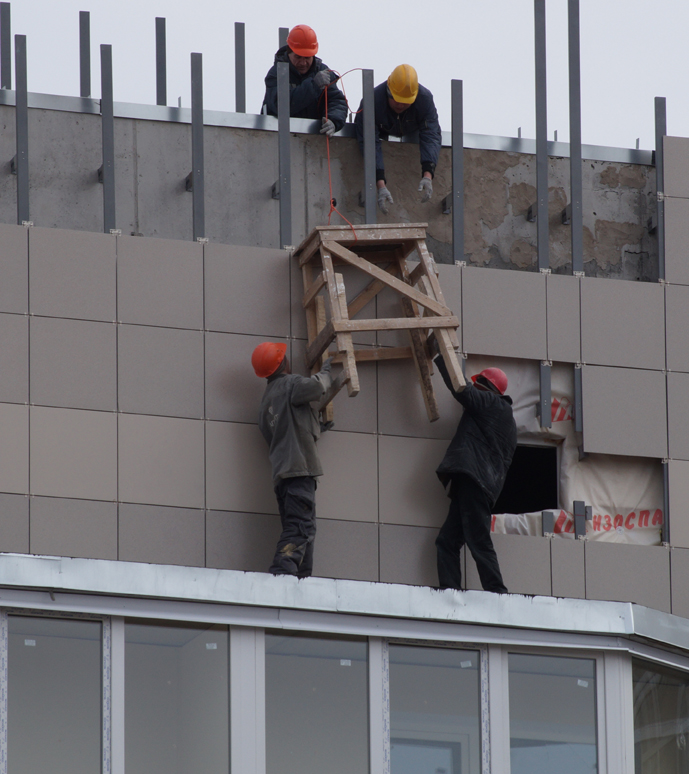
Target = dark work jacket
(290,424)
(485,440)
(305,99)
(421,116)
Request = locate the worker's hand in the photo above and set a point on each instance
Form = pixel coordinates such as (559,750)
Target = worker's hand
(327,365)
(425,189)
(384,199)
(327,426)
(328,127)
(322,79)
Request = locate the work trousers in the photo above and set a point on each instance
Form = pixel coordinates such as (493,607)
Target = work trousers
(468,522)
(297,503)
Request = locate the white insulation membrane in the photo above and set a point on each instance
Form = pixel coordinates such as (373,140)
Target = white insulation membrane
(626,493)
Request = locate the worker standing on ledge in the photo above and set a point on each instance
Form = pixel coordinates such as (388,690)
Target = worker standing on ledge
(291,428)
(474,468)
(308,77)
(402,106)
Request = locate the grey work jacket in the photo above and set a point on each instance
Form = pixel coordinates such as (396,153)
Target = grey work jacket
(290,425)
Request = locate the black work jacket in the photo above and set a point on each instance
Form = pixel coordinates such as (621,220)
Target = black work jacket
(485,440)
(421,116)
(305,99)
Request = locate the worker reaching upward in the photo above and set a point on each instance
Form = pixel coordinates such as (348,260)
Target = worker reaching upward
(402,106)
(308,77)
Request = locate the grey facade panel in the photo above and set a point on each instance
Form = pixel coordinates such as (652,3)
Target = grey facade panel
(678,479)
(73,363)
(622,323)
(241,541)
(568,568)
(346,549)
(14,440)
(612,572)
(679,569)
(160,371)
(14,269)
(677,327)
(564,318)
(678,425)
(14,523)
(14,358)
(417,546)
(676,167)
(624,411)
(524,564)
(677,240)
(72,274)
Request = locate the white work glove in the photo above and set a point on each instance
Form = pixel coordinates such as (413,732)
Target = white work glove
(327,365)
(328,127)
(322,79)
(425,189)
(384,198)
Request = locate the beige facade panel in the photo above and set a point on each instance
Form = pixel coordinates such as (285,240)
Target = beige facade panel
(676,167)
(678,479)
(241,541)
(346,549)
(410,492)
(568,569)
(679,574)
(622,323)
(678,424)
(14,269)
(72,274)
(504,313)
(14,523)
(624,411)
(158,535)
(524,564)
(612,573)
(564,318)
(160,282)
(247,290)
(74,453)
(677,326)
(407,555)
(677,241)
(14,358)
(83,528)
(161,461)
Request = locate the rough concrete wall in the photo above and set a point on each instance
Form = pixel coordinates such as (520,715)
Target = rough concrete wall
(154,158)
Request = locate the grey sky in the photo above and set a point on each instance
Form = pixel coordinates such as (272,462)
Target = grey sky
(632,51)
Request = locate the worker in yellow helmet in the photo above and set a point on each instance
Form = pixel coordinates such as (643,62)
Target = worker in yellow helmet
(402,107)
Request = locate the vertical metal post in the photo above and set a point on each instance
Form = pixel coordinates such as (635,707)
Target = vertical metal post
(284,161)
(22,129)
(239,68)
(661,131)
(84,54)
(5,47)
(108,133)
(665,530)
(370,194)
(578,401)
(457,171)
(199,214)
(579,518)
(541,135)
(283,34)
(545,412)
(575,160)
(161,62)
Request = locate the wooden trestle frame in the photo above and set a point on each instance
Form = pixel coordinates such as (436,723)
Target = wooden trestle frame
(381,252)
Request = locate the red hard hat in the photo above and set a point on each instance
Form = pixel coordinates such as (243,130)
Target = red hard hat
(267,357)
(302,40)
(496,376)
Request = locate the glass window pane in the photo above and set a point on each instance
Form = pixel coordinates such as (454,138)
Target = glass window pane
(54,696)
(316,705)
(552,715)
(661,719)
(434,711)
(176,698)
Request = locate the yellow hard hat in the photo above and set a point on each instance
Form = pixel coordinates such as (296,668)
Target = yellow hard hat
(404,84)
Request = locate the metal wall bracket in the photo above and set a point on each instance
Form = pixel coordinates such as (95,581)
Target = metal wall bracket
(531,213)
(579,274)
(275,190)
(446,204)
(189,182)
(566,215)
(545,271)
(548,523)
(652,224)
(461,264)
(660,196)
(13,166)
(582,514)
(99,174)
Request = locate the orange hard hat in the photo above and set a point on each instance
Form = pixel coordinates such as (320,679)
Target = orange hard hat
(302,40)
(267,357)
(496,376)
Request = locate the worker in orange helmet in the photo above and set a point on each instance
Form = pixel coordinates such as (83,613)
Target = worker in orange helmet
(289,423)
(402,107)
(308,77)
(474,470)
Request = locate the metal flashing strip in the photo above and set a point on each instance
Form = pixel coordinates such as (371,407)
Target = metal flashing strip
(219,118)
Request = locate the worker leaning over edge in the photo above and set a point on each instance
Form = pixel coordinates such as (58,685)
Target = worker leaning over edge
(403,106)
(474,468)
(291,428)
(308,76)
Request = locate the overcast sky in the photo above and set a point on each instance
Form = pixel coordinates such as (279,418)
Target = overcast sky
(632,51)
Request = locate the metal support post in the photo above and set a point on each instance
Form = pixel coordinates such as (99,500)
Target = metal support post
(283,34)
(541,135)
(665,529)
(108,133)
(544,406)
(239,68)
(579,518)
(84,54)
(22,130)
(575,159)
(578,401)
(161,62)
(547,523)
(370,193)
(661,131)
(5,47)
(198,205)
(284,160)
(457,171)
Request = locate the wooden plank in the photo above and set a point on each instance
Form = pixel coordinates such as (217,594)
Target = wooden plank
(345,343)
(433,289)
(319,344)
(308,248)
(313,290)
(328,410)
(394,324)
(386,278)
(417,272)
(422,362)
(375,353)
(454,369)
(311,327)
(368,293)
